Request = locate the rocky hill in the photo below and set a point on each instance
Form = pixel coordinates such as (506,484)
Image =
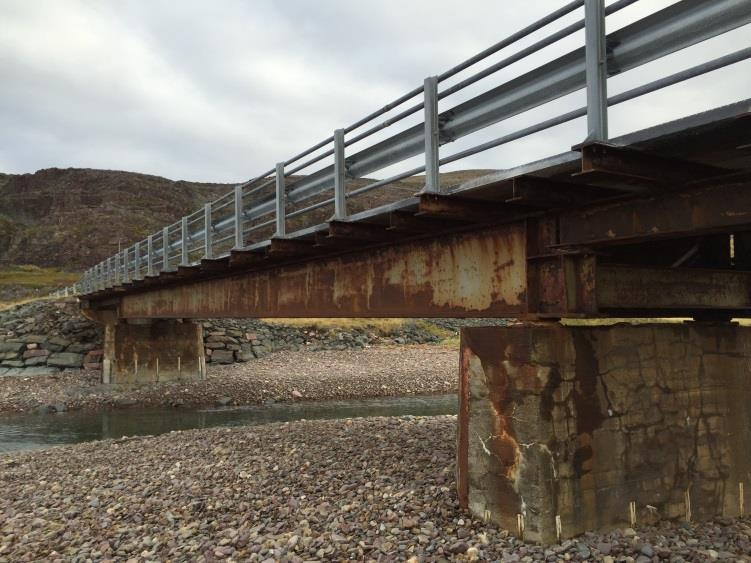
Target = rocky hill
(71,218)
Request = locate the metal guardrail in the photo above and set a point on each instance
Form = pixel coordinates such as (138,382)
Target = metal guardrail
(228,222)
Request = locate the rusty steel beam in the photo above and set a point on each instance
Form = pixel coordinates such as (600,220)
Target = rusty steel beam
(546,193)
(366,232)
(460,209)
(682,291)
(291,247)
(631,163)
(404,221)
(713,209)
(480,274)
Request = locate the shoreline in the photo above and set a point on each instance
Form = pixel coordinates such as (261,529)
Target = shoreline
(285,376)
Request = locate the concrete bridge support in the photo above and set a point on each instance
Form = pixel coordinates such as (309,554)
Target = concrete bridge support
(565,429)
(140,351)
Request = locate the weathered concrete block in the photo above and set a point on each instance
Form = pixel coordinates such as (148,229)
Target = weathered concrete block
(576,423)
(160,350)
(65,360)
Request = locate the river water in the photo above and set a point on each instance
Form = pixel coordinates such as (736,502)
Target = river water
(36,431)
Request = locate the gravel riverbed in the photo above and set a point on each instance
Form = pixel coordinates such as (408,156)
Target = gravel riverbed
(377,489)
(282,376)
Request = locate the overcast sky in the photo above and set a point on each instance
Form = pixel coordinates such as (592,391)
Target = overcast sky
(219,90)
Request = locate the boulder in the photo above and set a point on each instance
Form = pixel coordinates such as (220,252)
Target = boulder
(32,338)
(35,361)
(14,347)
(222,357)
(245,354)
(80,347)
(12,363)
(34,353)
(65,360)
(57,344)
(38,371)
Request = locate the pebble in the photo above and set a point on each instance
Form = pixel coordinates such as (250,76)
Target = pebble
(299,491)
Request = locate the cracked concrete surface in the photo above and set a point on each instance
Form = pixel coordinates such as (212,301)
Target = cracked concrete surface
(581,421)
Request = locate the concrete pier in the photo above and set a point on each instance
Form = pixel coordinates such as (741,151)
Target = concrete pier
(566,429)
(152,351)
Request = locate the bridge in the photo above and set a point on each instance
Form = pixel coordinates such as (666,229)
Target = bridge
(565,425)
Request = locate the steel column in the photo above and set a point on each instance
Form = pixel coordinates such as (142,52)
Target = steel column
(150,255)
(340,176)
(208,243)
(184,252)
(596,70)
(125,265)
(137,261)
(165,249)
(432,136)
(281,201)
(239,242)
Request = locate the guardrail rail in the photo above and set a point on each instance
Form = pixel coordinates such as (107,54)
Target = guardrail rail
(252,212)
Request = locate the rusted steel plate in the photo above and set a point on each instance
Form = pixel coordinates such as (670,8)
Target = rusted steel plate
(479,274)
(704,210)
(625,161)
(629,287)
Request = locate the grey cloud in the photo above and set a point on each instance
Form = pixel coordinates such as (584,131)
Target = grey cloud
(220,90)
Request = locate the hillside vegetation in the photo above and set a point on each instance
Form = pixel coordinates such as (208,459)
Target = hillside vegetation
(71,219)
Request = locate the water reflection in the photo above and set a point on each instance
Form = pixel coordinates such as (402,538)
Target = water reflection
(35,431)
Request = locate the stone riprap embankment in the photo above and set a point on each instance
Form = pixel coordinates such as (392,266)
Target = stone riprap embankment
(375,489)
(381,371)
(46,337)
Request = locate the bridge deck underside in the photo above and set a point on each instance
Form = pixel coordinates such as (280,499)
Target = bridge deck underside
(656,223)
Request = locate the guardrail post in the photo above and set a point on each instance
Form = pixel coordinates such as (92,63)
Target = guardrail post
(184,241)
(432,180)
(208,248)
(126,279)
(239,241)
(340,176)
(596,68)
(281,202)
(150,255)
(165,249)
(137,261)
